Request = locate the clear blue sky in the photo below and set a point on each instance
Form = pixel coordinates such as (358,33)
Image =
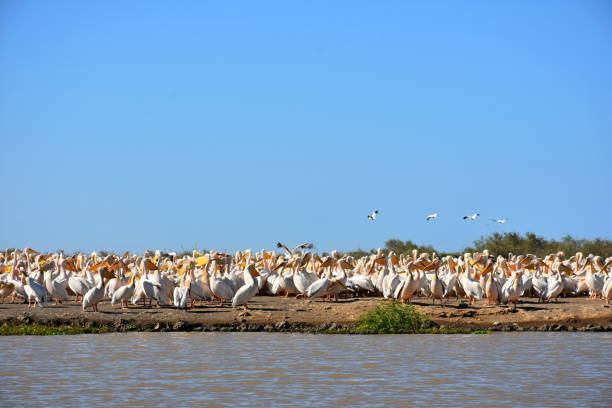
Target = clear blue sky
(227,125)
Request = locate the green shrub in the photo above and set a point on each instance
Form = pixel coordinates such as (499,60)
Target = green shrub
(35,329)
(393,317)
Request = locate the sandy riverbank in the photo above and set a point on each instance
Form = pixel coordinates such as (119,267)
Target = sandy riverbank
(288,314)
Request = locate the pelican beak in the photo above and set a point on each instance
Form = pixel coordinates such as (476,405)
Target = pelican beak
(253,271)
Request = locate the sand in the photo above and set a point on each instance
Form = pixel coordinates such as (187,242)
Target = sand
(289,314)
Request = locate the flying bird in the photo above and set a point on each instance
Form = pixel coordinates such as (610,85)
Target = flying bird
(373,215)
(296,250)
(471,217)
(501,221)
(432,216)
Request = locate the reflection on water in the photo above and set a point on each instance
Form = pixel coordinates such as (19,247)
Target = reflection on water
(264,369)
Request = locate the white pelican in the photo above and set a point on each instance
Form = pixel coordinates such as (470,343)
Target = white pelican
(34,291)
(320,287)
(220,289)
(500,220)
(249,289)
(295,251)
(436,287)
(181,294)
(594,281)
(6,289)
(79,285)
(512,289)
(554,286)
(432,216)
(607,289)
(407,288)
(472,287)
(373,215)
(18,290)
(124,293)
(151,284)
(471,217)
(95,294)
(200,288)
(493,289)
(539,285)
(391,279)
(55,288)
(302,278)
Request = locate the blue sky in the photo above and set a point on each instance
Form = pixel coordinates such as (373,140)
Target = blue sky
(227,125)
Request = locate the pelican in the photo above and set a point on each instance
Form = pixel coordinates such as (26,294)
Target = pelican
(540,286)
(554,287)
(373,216)
(471,217)
(220,289)
(607,289)
(436,287)
(493,290)
(124,293)
(499,220)
(95,294)
(34,291)
(248,290)
(407,288)
(302,279)
(200,288)
(6,289)
(55,288)
(79,285)
(295,251)
(320,287)
(512,289)
(151,284)
(181,295)
(472,287)
(432,216)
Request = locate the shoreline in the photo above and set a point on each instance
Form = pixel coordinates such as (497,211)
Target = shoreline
(278,314)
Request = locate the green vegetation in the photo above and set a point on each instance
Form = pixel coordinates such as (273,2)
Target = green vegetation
(513,242)
(508,242)
(393,317)
(35,329)
(397,318)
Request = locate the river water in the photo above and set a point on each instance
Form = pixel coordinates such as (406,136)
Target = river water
(272,369)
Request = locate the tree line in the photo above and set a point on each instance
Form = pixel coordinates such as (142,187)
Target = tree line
(508,242)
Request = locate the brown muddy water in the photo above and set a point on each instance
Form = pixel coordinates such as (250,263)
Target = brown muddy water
(277,369)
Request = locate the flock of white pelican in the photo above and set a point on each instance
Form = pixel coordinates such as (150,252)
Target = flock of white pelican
(166,279)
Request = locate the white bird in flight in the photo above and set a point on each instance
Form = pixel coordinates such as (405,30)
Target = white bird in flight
(501,220)
(432,216)
(373,215)
(471,217)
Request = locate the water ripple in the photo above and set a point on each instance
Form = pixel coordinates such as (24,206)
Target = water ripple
(264,369)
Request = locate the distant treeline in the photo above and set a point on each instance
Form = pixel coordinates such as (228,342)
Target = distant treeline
(508,242)
(497,244)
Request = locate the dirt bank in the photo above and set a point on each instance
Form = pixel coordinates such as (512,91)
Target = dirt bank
(288,314)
